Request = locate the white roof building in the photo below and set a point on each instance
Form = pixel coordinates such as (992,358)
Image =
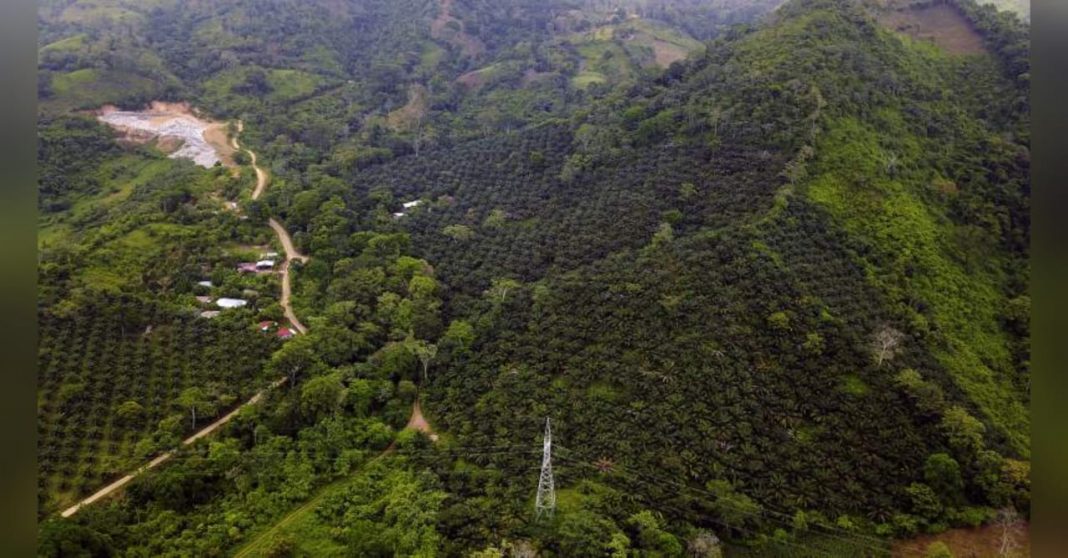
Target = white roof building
(204,283)
(411,204)
(231,302)
(265,263)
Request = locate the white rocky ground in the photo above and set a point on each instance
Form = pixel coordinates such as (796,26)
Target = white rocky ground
(186,128)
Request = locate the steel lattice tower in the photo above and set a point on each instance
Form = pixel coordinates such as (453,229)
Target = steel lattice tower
(546,500)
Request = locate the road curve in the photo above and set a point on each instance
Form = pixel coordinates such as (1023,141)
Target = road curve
(262,179)
(291,254)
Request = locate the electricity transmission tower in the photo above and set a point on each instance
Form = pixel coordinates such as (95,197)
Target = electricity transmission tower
(546,500)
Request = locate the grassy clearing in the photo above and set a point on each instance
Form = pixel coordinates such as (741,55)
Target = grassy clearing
(585,79)
(285,84)
(90,88)
(75,43)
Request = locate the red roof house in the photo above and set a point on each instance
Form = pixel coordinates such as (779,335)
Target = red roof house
(285,333)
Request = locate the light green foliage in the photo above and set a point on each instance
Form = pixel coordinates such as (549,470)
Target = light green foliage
(964,432)
(386,509)
(735,509)
(460,334)
(938,549)
(651,535)
(892,217)
(322,395)
(458,232)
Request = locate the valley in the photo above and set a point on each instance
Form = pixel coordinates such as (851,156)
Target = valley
(763,265)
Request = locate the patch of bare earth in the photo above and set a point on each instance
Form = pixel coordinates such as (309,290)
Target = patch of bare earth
(408,117)
(941,24)
(667,53)
(532,77)
(174,128)
(440,29)
(987,541)
(473,79)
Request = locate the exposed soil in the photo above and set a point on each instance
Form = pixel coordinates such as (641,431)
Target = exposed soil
(667,53)
(161,113)
(164,457)
(418,422)
(175,128)
(406,118)
(291,254)
(941,24)
(980,542)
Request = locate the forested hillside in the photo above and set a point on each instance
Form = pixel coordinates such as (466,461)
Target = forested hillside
(764,270)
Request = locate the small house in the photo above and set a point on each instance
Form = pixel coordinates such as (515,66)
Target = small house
(204,299)
(205,284)
(398,215)
(269,256)
(209,314)
(247,267)
(265,264)
(230,302)
(411,204)
(284,333)
(266,326)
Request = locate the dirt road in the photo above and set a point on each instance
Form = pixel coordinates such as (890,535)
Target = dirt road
(262,177)
(162,458)
(291,254)
(419,423)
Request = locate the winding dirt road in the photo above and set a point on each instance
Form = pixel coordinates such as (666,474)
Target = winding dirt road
(261,175)
(262,179)
(291,254)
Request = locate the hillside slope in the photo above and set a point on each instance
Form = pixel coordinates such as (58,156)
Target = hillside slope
(772,297)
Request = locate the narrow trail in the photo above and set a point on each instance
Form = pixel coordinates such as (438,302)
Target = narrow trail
(262,180)
(418,422)
(415,422)
(261,175)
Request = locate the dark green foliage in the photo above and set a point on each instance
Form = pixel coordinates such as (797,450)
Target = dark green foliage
(776,292)
(99,358)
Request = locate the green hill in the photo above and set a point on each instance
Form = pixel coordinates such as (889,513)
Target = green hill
(772,294)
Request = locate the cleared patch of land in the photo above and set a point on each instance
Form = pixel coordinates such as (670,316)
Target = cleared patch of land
(979,542)
(941,24)
(447,28)
(176,129)
(407,118)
